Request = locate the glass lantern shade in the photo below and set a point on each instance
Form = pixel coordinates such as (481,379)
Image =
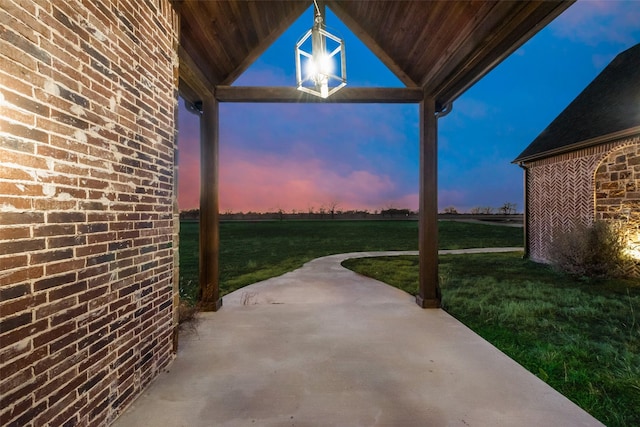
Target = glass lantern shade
(319,57)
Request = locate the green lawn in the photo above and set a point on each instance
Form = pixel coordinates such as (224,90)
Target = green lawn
(581,337)
(254,251)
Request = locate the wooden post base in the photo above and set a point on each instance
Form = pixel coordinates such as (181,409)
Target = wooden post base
(428,303)
(211,305)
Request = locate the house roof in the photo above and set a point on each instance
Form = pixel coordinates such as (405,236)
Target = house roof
(441,46)
(609,107)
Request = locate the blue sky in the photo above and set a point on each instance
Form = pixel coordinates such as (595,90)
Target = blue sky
(298,157)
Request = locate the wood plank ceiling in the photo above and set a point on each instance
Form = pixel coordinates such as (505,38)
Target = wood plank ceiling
(441,46)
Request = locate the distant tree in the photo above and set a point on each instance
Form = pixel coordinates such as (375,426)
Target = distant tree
(476,210)
(450,210)
(393,212)
(333,206)
(507,208)
(190,214)
(487,210)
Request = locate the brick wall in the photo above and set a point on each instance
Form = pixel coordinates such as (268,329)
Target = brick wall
(87,117)
(561,190)
(617,186)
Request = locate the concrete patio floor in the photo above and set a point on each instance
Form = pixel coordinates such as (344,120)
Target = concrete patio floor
(323,346)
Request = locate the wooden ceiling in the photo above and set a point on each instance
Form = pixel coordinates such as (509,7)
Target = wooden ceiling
(441,46)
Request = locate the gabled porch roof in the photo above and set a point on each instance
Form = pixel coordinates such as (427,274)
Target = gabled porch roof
(441,46)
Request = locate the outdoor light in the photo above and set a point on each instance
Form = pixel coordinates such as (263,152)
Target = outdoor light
(316,67)
(633,246)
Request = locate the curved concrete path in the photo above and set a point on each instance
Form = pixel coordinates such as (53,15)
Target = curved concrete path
(323,346)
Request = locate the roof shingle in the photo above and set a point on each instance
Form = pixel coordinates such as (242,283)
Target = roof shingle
(609,104)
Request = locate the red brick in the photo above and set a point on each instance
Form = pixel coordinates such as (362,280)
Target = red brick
(14,218)
(54,230)
(54,384)
(21,275)
(73,146)
(66,217)
(69,416)
(15,291)
(10,412)
(54,281)
(57,359)
(27,417)
(17,203)
(25,22)
(18,246)
(64,241)
(75,70)
(20,304)
(53,334)
(51,256)
(17,343)
(21,363)
(26,103)
(8,324)
(100,359)
(55,153)
(69,341)
(70,314)
(13,173)
(91,250)
(27,133)
(61,267)
(55,307)
(13,382)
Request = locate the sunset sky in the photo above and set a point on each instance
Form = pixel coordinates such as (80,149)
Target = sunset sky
(302,156)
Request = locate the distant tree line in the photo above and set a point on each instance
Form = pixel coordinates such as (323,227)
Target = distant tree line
(506,209)
(320,213)
(332,211)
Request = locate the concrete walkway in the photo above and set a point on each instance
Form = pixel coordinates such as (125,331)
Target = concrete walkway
(323,346)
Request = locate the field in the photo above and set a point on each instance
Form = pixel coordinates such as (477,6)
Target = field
(254,251)
(582,337)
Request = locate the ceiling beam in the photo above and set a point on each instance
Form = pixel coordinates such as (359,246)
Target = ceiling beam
(373,46)
(353,95)
(194,84)
(265,42)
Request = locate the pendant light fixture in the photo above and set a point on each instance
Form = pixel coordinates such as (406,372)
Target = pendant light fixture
(318,60)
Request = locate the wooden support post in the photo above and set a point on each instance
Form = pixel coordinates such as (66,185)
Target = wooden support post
(209,233)
(429,291)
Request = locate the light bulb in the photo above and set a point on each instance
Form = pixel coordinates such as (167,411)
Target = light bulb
(324,89)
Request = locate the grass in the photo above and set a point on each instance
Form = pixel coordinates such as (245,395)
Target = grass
(581,337)
(254,251)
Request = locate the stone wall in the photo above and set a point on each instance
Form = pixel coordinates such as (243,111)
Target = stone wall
(562,190)
(87,118)
(617,186)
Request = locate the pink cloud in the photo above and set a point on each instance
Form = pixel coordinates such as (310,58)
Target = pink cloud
(304,156)
(272,182)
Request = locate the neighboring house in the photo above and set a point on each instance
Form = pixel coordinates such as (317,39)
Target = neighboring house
(585,165)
